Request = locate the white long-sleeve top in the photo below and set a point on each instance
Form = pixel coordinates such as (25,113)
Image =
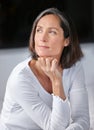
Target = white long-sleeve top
(28,106)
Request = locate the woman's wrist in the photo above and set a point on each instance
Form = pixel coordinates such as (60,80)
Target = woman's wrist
(58,90)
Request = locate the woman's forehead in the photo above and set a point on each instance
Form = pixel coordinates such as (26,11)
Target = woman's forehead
(49,19)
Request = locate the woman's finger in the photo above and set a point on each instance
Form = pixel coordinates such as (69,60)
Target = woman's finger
(54,65)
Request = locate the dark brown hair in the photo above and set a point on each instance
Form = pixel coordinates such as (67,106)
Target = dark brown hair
(71,53)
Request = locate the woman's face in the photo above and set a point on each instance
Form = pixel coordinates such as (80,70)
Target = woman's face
(49,37)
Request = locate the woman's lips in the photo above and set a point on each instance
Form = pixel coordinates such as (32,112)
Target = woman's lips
(45,47)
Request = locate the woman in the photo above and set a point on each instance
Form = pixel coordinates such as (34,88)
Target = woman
(47,91)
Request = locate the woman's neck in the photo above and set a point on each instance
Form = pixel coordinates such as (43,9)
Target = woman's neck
(41,76)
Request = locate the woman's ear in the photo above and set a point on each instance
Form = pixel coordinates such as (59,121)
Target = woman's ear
(67,41)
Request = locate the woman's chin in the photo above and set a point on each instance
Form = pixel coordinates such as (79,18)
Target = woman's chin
(44,55)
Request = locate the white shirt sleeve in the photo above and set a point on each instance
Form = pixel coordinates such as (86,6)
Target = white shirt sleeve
(26,95)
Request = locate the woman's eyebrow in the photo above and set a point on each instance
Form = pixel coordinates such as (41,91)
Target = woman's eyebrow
(40,26)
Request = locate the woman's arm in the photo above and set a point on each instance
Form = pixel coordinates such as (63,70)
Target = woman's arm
(54,71)
(24,92)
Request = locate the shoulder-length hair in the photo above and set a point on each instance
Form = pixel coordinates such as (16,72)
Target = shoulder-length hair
(71,53)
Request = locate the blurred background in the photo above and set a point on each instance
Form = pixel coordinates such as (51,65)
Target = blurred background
(17,16)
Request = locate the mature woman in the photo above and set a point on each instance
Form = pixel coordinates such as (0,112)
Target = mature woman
(47,91)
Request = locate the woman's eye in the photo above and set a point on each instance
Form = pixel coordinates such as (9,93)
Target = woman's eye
(38,30)
(53,32)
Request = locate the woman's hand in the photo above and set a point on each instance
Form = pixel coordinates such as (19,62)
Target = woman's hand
(52,69)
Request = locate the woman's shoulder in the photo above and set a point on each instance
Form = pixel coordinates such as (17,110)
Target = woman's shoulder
(78,65)
(21,78)
(74,69)
(21,68)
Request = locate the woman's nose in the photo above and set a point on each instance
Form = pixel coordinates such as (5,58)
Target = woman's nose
(44,37)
